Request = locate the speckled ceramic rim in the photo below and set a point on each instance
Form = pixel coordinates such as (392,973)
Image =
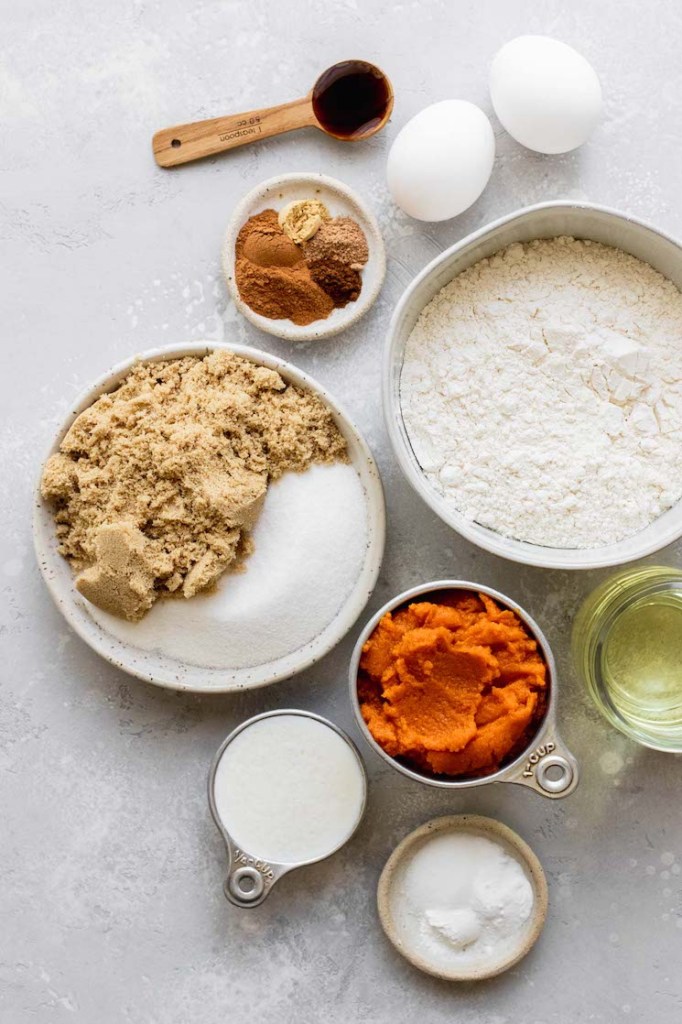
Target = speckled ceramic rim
(545,220)
(270,871)
(343,201)
(169,672)
(545,750)
(490,829)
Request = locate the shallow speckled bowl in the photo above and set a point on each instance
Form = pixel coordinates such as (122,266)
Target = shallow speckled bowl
(341,201)
(168,672)
(546,220)
(387,892)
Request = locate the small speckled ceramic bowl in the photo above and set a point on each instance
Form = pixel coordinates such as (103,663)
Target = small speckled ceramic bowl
(341,201)
(156,666)
(389,895)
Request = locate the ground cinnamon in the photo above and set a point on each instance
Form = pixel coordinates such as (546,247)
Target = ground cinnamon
(272,276)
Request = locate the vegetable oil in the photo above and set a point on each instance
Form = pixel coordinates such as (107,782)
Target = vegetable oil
(627,643)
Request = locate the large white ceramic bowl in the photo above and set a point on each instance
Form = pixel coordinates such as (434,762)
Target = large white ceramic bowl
(546,220)
(157,667)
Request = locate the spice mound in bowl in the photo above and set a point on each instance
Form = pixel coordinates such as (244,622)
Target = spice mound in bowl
(156,487)
(455,688)
(300,263)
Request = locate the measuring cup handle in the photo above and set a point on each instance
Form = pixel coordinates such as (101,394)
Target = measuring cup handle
(550,768)
(249,880)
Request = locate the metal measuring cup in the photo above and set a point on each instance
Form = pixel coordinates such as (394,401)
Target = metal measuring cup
(250,878)
(545,765)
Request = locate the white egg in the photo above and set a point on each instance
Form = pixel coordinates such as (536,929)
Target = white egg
(441,161)
(545,94)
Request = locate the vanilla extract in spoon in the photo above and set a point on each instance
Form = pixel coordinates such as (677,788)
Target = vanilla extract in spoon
(350,101)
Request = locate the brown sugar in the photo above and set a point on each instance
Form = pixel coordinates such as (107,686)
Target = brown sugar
(157,485)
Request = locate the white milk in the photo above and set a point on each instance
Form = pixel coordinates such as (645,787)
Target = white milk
(289,789)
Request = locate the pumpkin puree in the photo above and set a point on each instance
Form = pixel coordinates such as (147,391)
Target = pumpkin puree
(456,687)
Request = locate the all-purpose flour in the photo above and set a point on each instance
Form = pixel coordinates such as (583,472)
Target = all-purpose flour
(542,393)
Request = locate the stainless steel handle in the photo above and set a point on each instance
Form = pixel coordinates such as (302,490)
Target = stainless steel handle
(249,880)
(550,768)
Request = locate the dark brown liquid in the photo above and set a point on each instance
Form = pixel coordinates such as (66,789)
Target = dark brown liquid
(351,98)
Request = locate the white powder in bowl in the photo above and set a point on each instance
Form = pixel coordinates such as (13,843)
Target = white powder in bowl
(461,900)
(310,544)
(542,393)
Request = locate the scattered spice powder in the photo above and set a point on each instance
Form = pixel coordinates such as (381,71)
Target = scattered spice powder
(287,275)
(455,688)
(157,485)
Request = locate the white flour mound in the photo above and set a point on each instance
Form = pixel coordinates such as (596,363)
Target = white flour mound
(542,393)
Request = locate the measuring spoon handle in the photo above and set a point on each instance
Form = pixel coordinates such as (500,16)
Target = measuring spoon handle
(185,142)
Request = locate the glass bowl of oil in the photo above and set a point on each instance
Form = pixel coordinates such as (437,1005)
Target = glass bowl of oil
(627,646)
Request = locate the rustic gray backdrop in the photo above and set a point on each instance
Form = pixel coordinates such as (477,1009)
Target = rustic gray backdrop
(111,903)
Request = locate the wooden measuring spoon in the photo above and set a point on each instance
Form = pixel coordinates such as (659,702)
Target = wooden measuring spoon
(350,101)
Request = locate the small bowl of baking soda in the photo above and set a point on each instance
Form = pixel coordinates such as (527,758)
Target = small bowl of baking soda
(303,257)
(463,898)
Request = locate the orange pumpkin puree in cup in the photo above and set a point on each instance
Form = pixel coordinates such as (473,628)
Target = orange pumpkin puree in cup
(455,688)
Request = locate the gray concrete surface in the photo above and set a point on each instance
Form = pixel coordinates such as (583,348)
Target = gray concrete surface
(111,904)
